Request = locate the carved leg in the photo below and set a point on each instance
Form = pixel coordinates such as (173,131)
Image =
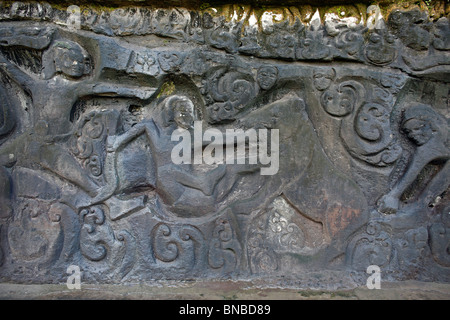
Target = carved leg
(204,183)
(59,161)
(437,186)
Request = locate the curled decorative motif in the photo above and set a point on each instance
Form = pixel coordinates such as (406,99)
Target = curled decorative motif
(373,247)
(373,228)
(224,38)
(84,148)
(380,49)
(342,99)
(90,128)
(323,78)
(289,235)
(170,62)
(177,244)
(143,63)
(373,141)
(170,22)
(261,257)
(99,243)
(350,41)
(92,243)
(224,250)
(371,120)
(229,92)
(393,82)
(412,248)
(165,250)
(365,126)
(127,259)
(265,261)
(91,217)
(282,44)
(88,142)
(125,21)
(315,45)
(223,230)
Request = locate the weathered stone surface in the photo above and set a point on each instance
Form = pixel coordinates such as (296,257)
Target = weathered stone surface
(354,104)
(177,292)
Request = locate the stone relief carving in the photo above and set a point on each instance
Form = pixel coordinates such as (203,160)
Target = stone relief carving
(87,124)
(428,131)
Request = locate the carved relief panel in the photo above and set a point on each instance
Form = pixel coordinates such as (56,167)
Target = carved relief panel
(227,142)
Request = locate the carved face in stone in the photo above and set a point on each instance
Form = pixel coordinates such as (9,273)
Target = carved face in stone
(68,58)
(418,131)
(267,77)
(72,63)
(183,113)
(322,79)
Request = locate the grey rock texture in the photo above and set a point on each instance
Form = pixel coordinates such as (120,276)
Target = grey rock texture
(91,100)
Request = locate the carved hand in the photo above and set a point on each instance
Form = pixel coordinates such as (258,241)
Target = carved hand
(111,145)
(388,204)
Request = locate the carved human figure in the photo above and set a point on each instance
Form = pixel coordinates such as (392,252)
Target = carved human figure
(53,95)
(185,190)
(428,131)
(62,83)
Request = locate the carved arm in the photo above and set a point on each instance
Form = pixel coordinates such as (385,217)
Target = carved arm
(114,90)
(17,75)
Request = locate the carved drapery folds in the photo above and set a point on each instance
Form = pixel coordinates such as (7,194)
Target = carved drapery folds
(88,112)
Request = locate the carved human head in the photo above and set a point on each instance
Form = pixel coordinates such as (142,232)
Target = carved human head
(421,123)
(66,57)
(181,111)
(323,78)
(267,77)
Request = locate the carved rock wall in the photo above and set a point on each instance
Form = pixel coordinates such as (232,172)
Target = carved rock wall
(91,98)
